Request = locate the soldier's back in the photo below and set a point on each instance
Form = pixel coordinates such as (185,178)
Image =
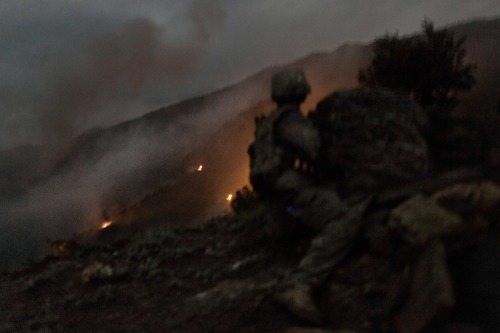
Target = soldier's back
(371,138)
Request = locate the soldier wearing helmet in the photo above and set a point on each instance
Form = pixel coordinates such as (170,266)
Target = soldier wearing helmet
(286,143)
(285,139)
(289,87)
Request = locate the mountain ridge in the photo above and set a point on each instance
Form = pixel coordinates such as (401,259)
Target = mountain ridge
(114,168)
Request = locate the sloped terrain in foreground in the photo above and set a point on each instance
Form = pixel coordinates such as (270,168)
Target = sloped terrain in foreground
(220,277)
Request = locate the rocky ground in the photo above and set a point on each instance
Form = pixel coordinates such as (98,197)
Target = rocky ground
(214,278)
(220,277)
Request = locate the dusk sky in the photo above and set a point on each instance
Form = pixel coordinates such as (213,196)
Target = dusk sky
(67,65)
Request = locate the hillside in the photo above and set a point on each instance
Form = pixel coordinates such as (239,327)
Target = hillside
(328,71)
(220,276)
(162,266)
(113,169)
(51,192)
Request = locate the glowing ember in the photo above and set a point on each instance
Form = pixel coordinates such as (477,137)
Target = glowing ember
(200,168)
(229,197)
(106,224)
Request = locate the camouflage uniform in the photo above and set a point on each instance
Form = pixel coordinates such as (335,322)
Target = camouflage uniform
(281,176)
(369,139)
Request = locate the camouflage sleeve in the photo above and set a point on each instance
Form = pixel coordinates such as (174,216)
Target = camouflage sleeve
(298,132)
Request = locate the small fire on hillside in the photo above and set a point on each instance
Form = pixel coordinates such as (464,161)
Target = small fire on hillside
(200,168)
(229,197)
(106,224)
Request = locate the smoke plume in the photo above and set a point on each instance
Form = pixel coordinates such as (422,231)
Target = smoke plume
(115,67)
(135,159)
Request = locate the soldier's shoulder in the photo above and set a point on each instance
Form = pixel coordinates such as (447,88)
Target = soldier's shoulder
(373,132)
(376,104)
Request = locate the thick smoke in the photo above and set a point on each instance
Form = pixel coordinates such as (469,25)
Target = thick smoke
(111,69)
(74,198)
(117,66)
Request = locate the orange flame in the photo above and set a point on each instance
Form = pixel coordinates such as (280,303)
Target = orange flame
(200,168)
(229,197)
(106,224)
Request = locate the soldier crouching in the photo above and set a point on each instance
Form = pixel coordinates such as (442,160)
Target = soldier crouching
(286,145)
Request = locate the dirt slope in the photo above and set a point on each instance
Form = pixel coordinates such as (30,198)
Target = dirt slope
(214,278)
(221,275)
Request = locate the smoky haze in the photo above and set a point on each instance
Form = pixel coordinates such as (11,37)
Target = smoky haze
(110,169)
(214,43)
(110,69)
(136,158)
(95,65)
(128,161)
(113,69)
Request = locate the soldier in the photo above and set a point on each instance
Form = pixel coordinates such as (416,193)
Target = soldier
(283,139)
(282,157)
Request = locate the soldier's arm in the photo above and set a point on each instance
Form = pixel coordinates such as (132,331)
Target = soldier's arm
(297,131)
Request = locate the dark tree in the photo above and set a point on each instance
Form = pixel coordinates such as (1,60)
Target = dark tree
(428,67)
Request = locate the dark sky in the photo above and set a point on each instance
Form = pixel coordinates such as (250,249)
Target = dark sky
(66,65)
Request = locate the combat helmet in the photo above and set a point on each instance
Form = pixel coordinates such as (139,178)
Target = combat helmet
(289,86)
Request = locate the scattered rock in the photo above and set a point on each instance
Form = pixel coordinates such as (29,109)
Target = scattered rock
(467,198)
(230,289)
(245,262)
(96,271)
(420,219)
